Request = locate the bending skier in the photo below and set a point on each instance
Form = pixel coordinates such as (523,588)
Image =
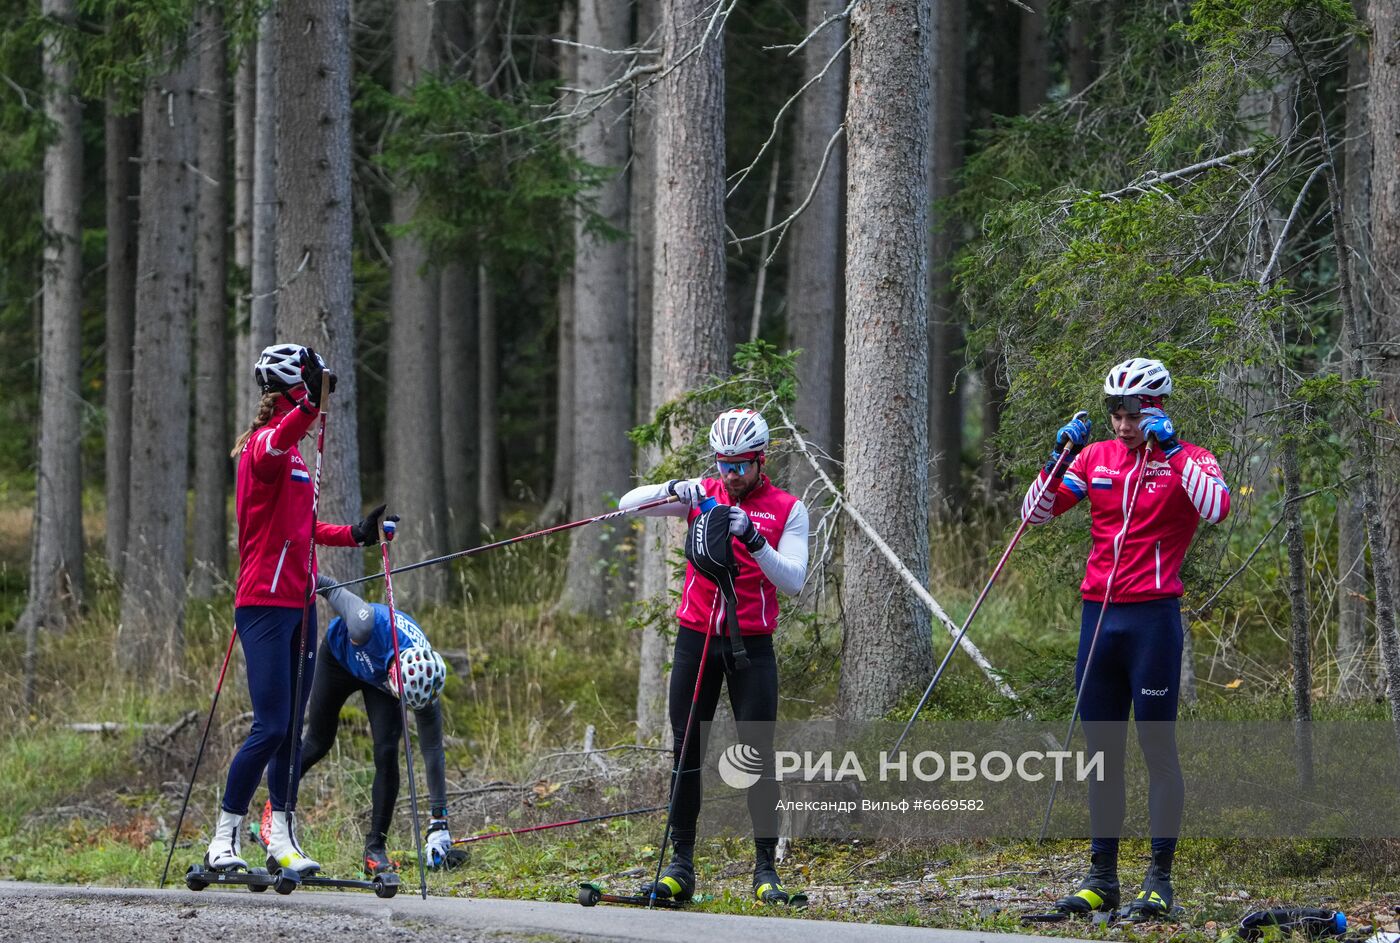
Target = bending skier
(357,655)
(770,526)
(273,509)
(1137,656)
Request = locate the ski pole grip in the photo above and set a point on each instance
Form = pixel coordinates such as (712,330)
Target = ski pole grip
(325,401)
(386,530)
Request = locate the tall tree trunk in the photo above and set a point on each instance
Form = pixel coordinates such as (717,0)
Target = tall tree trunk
(556,505)
(651,562)
(244,114)
(413,463)
(1299,642)
(457,301)
(457,315)
(262,305)
(150,637)
(602,400)
(121,138)
(1384,110)
(1354,587)
(487,34)
(313,232)
(488,375)
(56,568)
(1035,57)
(690,327)
(814,262)
(211,435)
(886,644)
(945,313)
(1080,51)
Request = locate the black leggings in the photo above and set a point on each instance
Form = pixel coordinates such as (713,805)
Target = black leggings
(329,692)
(753,693)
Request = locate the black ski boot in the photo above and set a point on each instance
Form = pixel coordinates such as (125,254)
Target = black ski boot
(1154,901)
(1099,889)
(767,889)
(677,882)
(376,857)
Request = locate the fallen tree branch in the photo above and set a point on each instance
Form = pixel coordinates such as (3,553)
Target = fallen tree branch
(909,579)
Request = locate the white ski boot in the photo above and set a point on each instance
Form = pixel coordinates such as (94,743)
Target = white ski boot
(223,852)
(282,847)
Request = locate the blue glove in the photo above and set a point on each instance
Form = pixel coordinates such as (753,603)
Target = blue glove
(1073,435)
(1158,425)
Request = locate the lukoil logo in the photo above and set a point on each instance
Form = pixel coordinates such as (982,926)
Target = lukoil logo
(740,766)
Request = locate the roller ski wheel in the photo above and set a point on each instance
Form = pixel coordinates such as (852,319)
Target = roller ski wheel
(386,884)
(592,894)
(193,880)
(257,880)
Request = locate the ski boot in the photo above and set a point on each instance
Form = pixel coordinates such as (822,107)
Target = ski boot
(283,850)
(1154,901)
(376,857)
(223,852)
(1098,891)
(678,880)
(767,889)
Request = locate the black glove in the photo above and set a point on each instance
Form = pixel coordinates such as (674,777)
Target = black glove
(312,367)
(366,533)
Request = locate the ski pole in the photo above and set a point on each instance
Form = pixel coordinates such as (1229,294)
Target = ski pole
(323,407)
(385,531)
(1094,639)
(199,755)
(1015,538)
(541,828)
(511,540)
(680,769)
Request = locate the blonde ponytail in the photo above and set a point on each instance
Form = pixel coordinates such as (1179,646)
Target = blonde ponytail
(264,416)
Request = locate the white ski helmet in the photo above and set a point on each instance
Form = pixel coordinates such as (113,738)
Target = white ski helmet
(738,432)
(279,366)
(1138,377)
(424,673)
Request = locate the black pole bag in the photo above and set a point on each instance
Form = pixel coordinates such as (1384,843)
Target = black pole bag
(710,549)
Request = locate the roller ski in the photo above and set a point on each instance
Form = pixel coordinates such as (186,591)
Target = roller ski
(1096,898)
(1154,903)
(673,889)
(767,889)
(223,863)
(591,893)
(285,859)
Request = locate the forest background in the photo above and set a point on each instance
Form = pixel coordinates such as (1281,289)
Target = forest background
(915,236)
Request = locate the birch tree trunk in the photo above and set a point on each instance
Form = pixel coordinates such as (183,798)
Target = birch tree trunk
(211,414)
(886,644)
(121,139)
(150,636)
(602,400)
(414,482)
(56,567)
(313,233)
(815,300)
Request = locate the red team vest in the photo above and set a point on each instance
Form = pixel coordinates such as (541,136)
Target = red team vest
(702,607)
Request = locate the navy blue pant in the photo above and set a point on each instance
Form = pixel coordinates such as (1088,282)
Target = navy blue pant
(271,637)
(1137,665)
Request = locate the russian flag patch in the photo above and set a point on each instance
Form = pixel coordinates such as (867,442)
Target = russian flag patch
(300,474)
(1103,482)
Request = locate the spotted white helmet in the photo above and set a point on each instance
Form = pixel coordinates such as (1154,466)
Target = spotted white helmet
(279,366)
(1138,377)
(738,432)
(424,673)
